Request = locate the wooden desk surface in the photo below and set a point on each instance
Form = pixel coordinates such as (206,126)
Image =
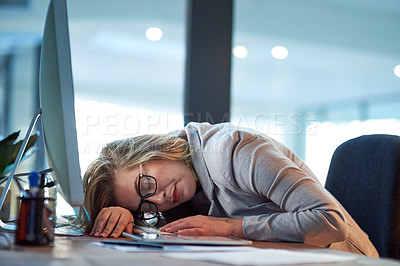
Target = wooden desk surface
(76,251)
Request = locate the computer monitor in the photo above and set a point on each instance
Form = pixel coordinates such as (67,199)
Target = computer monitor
(57,103)
(57,111)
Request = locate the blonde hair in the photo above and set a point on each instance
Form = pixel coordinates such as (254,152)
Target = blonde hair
(127,153)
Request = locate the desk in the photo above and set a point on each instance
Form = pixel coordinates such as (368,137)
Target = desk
(76,251)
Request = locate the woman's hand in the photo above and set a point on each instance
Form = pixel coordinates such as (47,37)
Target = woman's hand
(201,225)
(114,221)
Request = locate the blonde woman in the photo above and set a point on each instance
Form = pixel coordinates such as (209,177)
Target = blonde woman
(215,180)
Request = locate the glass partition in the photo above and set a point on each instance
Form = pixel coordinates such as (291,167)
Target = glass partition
(315,73)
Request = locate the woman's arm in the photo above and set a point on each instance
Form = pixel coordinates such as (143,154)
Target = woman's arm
(306,211)
(206,226)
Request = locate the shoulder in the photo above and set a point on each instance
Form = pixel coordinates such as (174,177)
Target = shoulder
(225,137)
(200,135)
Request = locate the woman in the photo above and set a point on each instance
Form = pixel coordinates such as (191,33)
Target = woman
(239,183)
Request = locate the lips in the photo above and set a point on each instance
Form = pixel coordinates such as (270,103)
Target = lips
(175,195)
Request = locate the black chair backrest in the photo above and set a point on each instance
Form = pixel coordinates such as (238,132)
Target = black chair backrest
(364,176)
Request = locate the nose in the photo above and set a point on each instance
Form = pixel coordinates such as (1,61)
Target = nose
(158,198)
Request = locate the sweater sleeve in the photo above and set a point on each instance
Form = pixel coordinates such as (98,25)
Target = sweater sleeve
(264,168)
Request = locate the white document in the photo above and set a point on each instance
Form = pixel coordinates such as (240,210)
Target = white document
(174,239)
(263,257)
(126,248)
(171,248)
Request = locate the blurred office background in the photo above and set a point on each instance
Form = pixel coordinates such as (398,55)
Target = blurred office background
(310,73)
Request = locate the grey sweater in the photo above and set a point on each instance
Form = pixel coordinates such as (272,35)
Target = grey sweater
(247,174)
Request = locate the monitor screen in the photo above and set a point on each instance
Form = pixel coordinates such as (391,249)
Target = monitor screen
(57,103)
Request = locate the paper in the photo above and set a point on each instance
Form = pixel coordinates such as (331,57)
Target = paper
(235,255)
(193,248)
(125,248)
(174,239)
(263,257)
(170,248)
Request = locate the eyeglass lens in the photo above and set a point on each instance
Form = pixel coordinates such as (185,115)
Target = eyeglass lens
(148,186)
(149,209)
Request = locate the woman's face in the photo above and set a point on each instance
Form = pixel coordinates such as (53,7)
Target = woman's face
(175,185)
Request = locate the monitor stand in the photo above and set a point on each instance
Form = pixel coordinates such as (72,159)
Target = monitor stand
(13,227)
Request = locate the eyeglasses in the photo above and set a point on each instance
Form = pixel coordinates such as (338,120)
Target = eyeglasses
(147,187)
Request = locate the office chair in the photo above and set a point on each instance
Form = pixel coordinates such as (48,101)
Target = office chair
(364,176)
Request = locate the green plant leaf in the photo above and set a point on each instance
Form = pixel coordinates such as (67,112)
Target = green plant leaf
(6,148)
(14,153)
(24,157)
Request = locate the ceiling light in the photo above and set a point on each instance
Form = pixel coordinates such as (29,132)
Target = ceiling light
(154,34)
(240,51)
(279,52)
(396,71)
